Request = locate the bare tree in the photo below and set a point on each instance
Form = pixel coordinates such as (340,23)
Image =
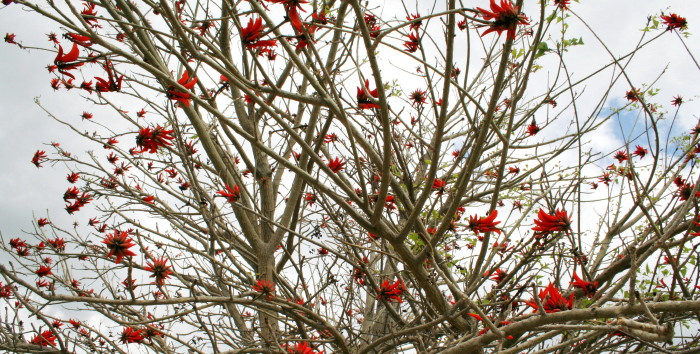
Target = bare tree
(282,176)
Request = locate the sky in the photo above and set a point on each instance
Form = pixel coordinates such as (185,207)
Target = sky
(28,192)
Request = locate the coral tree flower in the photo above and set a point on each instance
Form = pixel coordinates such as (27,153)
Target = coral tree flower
(640,151)
(183,97)
(588,288)
(150,139)
(39,158)
(250,35)
(231,194)
(674,21)
(363,94)
(66,61)
(484,224)
(301,348)
(43,271)
(119,244)
(505,16)
(160,270)
(413,42)
(391,292)
(562,4)
(44,339)
(546,223)
(336,165)
(131,335)
(265,288)
(552,300)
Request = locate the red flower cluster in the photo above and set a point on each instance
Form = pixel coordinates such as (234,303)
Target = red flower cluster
(65,62)
(562,4)
(439,185)
(149,140)
(231,194)
(301,348)
(553,301)
(674,21)
(80,201)
(588,288)
(118,244)
(413,42)
(265,288)
(131,335)
(546,223)
(182,97)
(251,34)
(336,165)
(484,224)
(391,292)
(39,158)
(363,94)
(640,151)
(44,339)
(160,270)
(505,16)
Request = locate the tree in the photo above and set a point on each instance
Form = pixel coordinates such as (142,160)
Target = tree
(272,184)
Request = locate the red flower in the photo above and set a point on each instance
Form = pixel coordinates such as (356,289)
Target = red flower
(498,275)
(78,39)
(505,18)
(150,199)
(73,177)
(43,222)
(547,223)
(413,42)
(514,170)
(633,95)
(250,35)
(118,244)
(232,195)
(336,165)
(301,348)
(553,300)
(415,25)
(151,139)
(462,25)
(86,115)
(310,198)
(391,292)
(131,335)
(674,21)
(39,158)
(64,62)
(57,244)
(112,84)
(160,270)
(363,94)
(10,38)
(439,185)
(43,271)
(182,97)
(45,339)
(621,156)
(677,101)
(266,288)
(89,14)
(640,151)
(485,224)
(588,288)
(533,128)
(562,4)
(418,97)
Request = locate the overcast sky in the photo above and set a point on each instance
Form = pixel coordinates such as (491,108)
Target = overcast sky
(28,191)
